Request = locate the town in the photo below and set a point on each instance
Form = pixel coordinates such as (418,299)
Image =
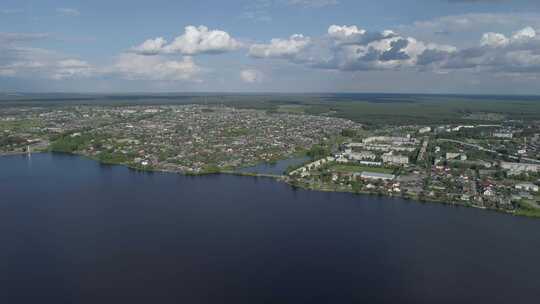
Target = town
(484,165)
(189,138)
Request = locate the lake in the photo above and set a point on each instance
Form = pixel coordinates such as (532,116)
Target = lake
(277,168)
(75,231)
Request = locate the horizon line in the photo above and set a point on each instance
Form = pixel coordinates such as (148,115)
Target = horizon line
(261,93)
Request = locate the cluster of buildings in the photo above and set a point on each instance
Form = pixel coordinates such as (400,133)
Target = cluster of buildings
(380,150)
(186,138)
(33,127)
(519,168)
(367,164)
(468,165)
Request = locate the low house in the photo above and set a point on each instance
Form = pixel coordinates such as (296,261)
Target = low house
(424,130)
(364,155)
(390,158)
(503,134)
(488,192)
(527,187)
(518,168)
(452,155)
(370,163)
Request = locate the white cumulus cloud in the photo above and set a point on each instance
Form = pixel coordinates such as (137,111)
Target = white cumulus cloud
(344,32)
(151,46)
(138,67)
(71,68)
(348,48)
(21,61)
(251,76)
(195,40)
(280,48)
(524,34)
(494,40)
(498,53)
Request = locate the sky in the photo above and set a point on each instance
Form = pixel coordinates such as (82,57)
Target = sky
(386,46)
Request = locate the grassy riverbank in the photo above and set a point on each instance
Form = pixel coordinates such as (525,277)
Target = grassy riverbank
(531,213)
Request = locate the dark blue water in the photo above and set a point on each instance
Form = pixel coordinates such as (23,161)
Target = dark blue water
(277,168)
(73,231)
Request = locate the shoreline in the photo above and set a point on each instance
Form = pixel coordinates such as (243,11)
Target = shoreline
(16,153)
(285,179)
(411,198)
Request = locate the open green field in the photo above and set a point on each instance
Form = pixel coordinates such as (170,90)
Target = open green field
(529,208)
(351,168)
(293,109)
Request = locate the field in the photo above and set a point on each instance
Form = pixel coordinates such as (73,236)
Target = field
(348,168)
(529,208)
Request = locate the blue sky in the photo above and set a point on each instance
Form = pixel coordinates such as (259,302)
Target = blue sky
(429,46)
